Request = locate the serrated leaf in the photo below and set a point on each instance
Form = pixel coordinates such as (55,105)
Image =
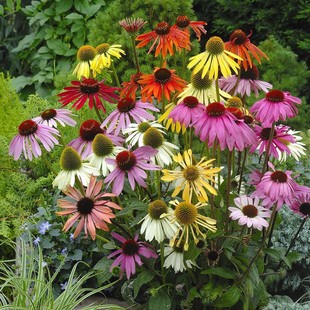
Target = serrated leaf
(229,298)
(222,272)
(143,278)
(160,301)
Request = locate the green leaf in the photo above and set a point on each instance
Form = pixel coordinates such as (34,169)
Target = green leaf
(291,257)
(92,10)
(1,9)
(20,82)
(57,46)
(63,6)
(229,298)
(26,42)
(104,267)
(143,278)
(77,25)
(77,255)
(192,252)
(222,272)
(273,253)
(82,6)
(160,301)
(74,16)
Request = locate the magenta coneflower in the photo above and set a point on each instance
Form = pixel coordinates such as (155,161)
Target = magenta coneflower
(91,208)
(281,138)
(128,111)
(88,90)
(129,254)
(134,164)
(27,140)
(51,117)
(245,84)
(249,213)
(277,105)
(185,110)
(217,124)
(276,187)
(301,202)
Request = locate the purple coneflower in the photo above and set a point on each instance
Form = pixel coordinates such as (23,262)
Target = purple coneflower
(133,163)
(27,140)
(301,202)
(51,117)
(129,254)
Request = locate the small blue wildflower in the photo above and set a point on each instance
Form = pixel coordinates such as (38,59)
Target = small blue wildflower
(71,238)
(64,251)
(44,264)
(63,286)
(36,241)
(44,227)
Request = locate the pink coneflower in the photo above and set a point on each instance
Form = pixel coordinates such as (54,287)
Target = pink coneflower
(51,117)
(245,84)
(217,124)
(185,110)
(88,131)
(129,254)
(88,90)
(27,140)
(91,208)
(277,105)
(132,25)
(276,187)
(133,163)
(281,138)
(301,202)
(127,112)
(248,212)
(254,177)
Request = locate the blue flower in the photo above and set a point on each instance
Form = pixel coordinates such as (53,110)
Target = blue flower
(44,227)
(63,286)
(36,241)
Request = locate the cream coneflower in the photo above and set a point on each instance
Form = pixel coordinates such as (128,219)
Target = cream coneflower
(192,176)
(214,59)
(85,55)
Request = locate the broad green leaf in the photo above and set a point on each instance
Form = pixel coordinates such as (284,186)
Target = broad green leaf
(77,25)
(20,82)
(103,266)
(222,272)
(74,16)
(57,46)
(160,301)
(273,253)
(82,6)
(229,298)
(143,278)
(63,6)
(291,257)
(1,10)
(92,10)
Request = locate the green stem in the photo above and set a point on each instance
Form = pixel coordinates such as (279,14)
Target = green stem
(228,189)
(115,75)
(48,164)
(97,112)
(242,169)
(80,185)
(158,183)
(102,238)
(121,228)
(135,53)
(217,88)
(162,257)
(265,165)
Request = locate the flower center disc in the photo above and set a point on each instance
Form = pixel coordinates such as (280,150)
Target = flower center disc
(238,37)
(162,28)
(186,213)
(213,256)
(201,83)
(250,74)
(182,21)
(85,205)
(190,101)
(275,96)
(126,160)
(89,86)
(248,119)
(130,247)
(279,177)
(305,208)
(216,109)
(102,145)
(70,160)
(103,48)
(86,53)
(125,104)
(152,137)
(89,129)
(27,128)
(265,133)
(143,127)
(234,102)
(157,208)
(215,45)
(191,173)
(162,75)
(250,211)
(48,114)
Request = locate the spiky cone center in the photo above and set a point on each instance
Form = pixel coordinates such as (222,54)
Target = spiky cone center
(215,109)
(152,137)
(48,114)
(265,133)
(162,75)
(85,205)
(102,145)
(86,53)
(191,173)
(234,102)
(304,208)
(186,213)
(250,211)
(248,119)
(201,243)
(143,127)
(130,247)
(125,160)
(103,48)
(212,255)
(275,96)
(215,45)
(125,104)
(250,74)
(182,21)
(238,37)
(201,83)
(162,28)
(89,129)
(190,101)
(279,177)
(157,208)
(27,128)
(70,160)
(89,86)
(236,112)
(178,246)
(234,184)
